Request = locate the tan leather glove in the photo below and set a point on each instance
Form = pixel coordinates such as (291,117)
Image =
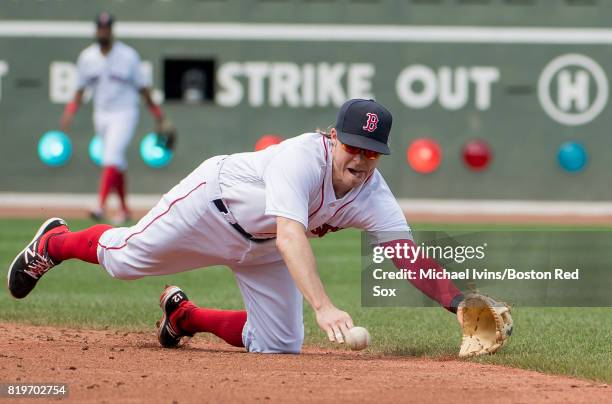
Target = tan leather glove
(487,324)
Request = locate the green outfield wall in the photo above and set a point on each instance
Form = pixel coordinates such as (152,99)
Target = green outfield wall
(524,75)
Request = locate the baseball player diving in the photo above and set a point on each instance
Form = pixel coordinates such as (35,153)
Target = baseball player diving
(111,69)
(253,212)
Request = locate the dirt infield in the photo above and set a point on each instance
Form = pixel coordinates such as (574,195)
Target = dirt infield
(112,366)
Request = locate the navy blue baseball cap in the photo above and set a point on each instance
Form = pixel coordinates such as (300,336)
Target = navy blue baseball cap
(104,19)
(365,124)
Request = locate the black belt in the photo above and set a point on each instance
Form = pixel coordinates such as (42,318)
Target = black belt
(223,209)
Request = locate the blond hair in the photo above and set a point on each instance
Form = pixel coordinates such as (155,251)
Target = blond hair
(325,132)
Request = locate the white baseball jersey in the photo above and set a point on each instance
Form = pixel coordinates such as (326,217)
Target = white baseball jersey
(186,230)
(294,180)
(115,78)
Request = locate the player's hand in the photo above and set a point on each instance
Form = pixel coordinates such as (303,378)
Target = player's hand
(334,322)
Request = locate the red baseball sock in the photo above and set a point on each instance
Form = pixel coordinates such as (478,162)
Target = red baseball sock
(120,186)
(79,244)
(225,324)
(106,181)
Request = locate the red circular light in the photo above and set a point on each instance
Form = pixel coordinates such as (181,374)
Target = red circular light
(424,155)
(266,141)
(476,154)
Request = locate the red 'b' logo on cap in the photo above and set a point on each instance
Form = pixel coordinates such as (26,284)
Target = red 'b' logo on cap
(372,122)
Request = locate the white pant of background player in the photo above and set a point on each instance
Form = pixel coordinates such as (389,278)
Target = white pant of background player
(116,128)
(186,231)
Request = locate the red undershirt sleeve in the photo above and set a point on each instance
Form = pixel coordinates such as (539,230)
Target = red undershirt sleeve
(443,291)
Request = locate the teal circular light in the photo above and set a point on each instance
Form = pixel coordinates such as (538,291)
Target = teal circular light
(152,153)
(95,150)
(572,156)
(54,148)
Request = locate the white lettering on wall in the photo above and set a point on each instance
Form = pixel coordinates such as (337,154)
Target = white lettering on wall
(419,86)
(289,84)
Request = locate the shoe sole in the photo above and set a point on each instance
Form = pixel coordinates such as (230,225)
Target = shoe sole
(169,291)
(37,235)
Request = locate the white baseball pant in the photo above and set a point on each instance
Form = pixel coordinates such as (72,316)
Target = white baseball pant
(116,129)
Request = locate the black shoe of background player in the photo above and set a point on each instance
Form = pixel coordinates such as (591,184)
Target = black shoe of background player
(97,215)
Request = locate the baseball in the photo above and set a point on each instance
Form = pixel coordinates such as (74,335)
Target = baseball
(358,338)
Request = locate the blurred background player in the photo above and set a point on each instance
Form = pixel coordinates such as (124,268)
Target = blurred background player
(111,70)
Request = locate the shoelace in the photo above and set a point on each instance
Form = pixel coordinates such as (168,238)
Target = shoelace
(39,266)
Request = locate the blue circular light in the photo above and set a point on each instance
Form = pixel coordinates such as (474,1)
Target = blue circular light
(152,153)
(95,150)
(54,148)
(572,156)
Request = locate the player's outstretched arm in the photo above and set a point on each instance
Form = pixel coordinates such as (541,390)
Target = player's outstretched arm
(297,253)
(70,111)
(152,106)
(441,290)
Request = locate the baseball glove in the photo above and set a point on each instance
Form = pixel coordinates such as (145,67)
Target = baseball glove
(487,324)
(166,135)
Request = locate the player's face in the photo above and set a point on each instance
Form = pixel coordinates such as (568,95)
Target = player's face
(104,35)
(351,166)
